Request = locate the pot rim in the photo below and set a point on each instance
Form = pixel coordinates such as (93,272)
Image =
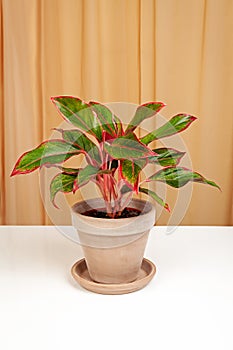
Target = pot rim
(147,208)
(113,227)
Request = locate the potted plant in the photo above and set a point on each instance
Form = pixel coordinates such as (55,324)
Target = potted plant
(113,229)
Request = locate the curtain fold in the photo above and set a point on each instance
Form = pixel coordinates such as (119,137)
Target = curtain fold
(176,51)
(2,173)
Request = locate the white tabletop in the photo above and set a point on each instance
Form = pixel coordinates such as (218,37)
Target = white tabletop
(188,305)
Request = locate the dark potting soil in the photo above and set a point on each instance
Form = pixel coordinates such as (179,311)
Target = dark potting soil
(101,213)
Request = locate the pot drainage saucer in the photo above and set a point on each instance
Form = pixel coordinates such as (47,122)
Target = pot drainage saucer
(80,273)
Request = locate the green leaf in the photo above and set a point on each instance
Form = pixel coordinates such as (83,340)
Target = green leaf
(130,171)
(166,156)
(122,148)
(69,170)
(176,124)
(131,136)
(61,183)
(155,197)
(79,114)
(179,176)
(118,125)
(82,142)
(143,112)
(63,169)
(87,174)
(105,117)
(47,153)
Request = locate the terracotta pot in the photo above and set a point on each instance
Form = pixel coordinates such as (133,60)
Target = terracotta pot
(113,248)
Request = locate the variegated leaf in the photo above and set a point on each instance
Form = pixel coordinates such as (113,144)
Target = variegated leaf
(61,183)
(166,156)
(79,114)
(154,195)
(123,148)
(179,176)
(178,123)
(83,143)
(105,117)
(143,112)
(47,153)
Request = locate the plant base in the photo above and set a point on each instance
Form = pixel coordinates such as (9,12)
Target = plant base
(80,273)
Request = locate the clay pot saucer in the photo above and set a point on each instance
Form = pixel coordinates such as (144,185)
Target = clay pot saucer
(80,273)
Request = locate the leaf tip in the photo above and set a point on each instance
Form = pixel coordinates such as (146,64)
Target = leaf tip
(218,187)
(93,103)
(162,104)
(14,172)
(136,186)
(166,206)
(54,204)
(192,118)
(75,186)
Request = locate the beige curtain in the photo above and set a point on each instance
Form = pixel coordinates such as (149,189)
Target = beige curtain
(176,51)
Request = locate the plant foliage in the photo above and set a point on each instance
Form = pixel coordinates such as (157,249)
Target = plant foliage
(115,156)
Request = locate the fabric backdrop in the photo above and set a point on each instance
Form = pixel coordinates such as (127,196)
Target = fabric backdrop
(176,51)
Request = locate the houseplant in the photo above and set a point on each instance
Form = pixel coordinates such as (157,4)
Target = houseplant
(114,229)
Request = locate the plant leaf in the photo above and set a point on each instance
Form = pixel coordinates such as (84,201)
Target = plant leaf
(61,183)
(105,117)
(176,124)
(131,136)
(79,114)
(82,142)
(143,112)
(87,174)
(130,171)
(47,153)
(119,126)
(179,176)
(153,195)
(166,156)
(63,169)
(123,148)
